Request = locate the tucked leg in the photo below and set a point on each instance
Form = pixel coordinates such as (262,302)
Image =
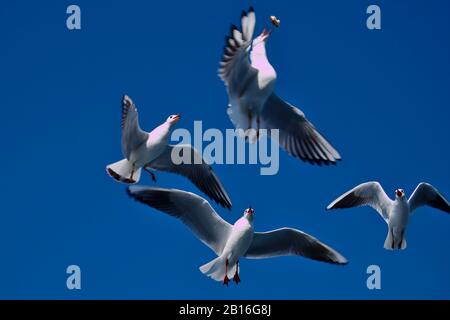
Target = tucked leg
(225,279)
(236,274)
(132,173)
(152,175)
(393,238)
(258,121)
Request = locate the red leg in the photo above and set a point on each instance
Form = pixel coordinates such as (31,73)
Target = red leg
(225,279)
(236,275)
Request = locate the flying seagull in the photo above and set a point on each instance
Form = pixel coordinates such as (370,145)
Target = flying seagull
(231,242)
(150,150)
(395,212)
(253,105)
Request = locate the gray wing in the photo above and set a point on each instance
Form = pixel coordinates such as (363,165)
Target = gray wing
(366,194)
(287,241)
(195,169)
(132,135)
(194,211)
(297,136)
(426,194)
(235,69)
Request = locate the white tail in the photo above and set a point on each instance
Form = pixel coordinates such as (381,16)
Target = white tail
(391,243)
(216,268)
(240,121)
(124,171)
(403,244)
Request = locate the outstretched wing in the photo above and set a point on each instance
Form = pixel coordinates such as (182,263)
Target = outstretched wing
(297,135)
(132,135)
(287,241)
(194,211)
(426,194)
(366,194)
(235,69)
(195,169)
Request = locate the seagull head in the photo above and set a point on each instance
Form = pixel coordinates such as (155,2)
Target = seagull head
(399,193)
(172,119)
(265,34)
(249,213)
(259,44)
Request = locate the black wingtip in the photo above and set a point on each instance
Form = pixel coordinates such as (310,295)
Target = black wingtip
(320,162)
(251,9)
(243,13)
(225,203)
(126,100)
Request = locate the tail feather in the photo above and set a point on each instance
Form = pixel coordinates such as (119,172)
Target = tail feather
(241,122)
(389,242)
(123,171)
(403,245)
(216,269)
(393,243)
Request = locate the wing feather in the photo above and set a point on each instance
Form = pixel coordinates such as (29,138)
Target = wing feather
(296,134)
(287,241)
(132,135)
(196,170)
(426,194)
(194,211)
(365,194)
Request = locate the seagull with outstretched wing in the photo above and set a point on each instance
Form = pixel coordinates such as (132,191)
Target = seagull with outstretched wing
(253,105)
(150,150)
(395,212)
(231,242)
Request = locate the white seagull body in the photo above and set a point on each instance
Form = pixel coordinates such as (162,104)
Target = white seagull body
(253,105)
(231,242)
(152,151)
(394,212)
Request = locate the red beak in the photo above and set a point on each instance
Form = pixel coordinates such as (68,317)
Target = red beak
(399,193)
(266,33)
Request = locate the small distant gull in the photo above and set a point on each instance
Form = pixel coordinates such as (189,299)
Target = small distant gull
(253,105)
(152,151)
(396,213)
(231,242)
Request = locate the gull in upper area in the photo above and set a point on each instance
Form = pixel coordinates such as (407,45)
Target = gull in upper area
(253,105)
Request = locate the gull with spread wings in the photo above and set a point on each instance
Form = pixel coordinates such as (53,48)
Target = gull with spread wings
(253,105)
(394,212)
(231,242)
(151,151)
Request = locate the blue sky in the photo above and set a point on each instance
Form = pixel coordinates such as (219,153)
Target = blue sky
(381,97)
